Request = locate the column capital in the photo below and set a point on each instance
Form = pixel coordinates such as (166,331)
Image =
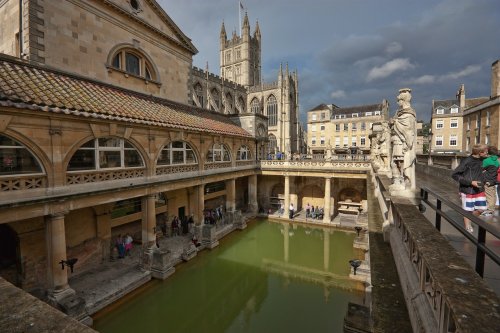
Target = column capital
(58,214)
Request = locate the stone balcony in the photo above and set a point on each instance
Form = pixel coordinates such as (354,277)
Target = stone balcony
(319,163)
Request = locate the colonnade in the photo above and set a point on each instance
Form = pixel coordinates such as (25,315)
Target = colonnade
(56,233)
(327,197)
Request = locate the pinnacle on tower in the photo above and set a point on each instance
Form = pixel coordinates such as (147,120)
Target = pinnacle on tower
(223,31)
(246,24)
(257,31)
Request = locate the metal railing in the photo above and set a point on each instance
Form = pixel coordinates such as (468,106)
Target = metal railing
(482,248)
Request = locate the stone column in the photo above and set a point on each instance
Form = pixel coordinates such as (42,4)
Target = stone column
(148,221)
(252,194)
(56,251)
(230,195)
(328,200)
(287,195)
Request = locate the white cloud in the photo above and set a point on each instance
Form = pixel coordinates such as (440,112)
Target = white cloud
(424,79)
(338,94)
(388,68)
(471,69)
(393,48)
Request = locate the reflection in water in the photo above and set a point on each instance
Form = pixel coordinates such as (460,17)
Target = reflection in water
(270,277)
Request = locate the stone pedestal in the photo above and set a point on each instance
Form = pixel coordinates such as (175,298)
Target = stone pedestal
(237,219)
(209,236)
(189,252)
(161,267)
(69,303)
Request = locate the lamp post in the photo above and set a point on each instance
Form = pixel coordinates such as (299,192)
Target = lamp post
(429,146)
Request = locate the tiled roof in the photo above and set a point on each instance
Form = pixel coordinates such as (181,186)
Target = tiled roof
(26,86)
(357,109)
(320,107)
(448,103)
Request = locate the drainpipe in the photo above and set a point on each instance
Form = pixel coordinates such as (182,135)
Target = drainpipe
(21,29)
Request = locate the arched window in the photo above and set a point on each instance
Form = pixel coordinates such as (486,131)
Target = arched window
(243,154)
(273,144)
(272,111)
(177,152)
(218,153)
(255,106)
(241,103)
(198,90)
(105,153)
(16,158)
(132,61)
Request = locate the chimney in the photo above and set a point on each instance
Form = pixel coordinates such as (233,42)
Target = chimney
(495,79)
(461,96)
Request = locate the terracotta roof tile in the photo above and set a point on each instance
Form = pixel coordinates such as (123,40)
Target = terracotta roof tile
(22,85)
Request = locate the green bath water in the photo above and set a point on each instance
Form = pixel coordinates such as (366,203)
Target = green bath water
(271,277)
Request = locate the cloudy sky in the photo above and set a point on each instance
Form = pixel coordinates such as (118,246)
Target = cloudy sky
(354,52)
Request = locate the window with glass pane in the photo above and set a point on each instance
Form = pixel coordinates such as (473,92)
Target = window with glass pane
(363,126)
(346,127)
(105,153)
(132,64)
(453,140)
(272,111)
(273,144)
(255,106)
(16,158)
(454,123)
(243,153)
(117,61)
(337,127)
(177,152)
(337,141)
(199,94)
(439,140)
(362,141)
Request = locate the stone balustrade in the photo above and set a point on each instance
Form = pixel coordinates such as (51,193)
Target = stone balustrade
(442,291)
(21,182)
(315,164)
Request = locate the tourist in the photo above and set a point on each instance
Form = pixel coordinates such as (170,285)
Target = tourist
(308,210)
(490,169)
(282,209)
(469,174)
(128,244)
(291,210)
(175,226)
(120,245)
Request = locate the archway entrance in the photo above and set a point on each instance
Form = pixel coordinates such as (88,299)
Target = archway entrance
(9,246)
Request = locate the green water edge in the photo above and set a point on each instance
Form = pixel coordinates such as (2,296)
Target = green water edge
(249,283)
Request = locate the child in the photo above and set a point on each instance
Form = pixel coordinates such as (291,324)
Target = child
(490,168)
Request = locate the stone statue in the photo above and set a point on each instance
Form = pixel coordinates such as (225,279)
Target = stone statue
(384,147)
(403,139)
(375,151)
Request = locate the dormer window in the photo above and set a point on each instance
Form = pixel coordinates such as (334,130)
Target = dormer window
(439,111)
(454,109)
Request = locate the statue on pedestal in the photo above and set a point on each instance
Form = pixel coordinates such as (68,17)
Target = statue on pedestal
(403,140)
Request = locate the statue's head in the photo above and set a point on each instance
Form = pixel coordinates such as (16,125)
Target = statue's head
(404,98)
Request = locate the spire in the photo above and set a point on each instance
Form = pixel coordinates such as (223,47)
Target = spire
(223,31)
(286,71)
(257,31)
(246,28)
(246,24)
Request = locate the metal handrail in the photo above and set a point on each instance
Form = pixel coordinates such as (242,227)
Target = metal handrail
(480,242)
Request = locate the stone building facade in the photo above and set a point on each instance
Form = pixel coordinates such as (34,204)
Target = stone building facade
(99,137)
(239,89)
(343,129)
(447,123)
(482,121)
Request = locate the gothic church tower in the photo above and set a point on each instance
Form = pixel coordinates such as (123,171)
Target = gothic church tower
(240,56)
